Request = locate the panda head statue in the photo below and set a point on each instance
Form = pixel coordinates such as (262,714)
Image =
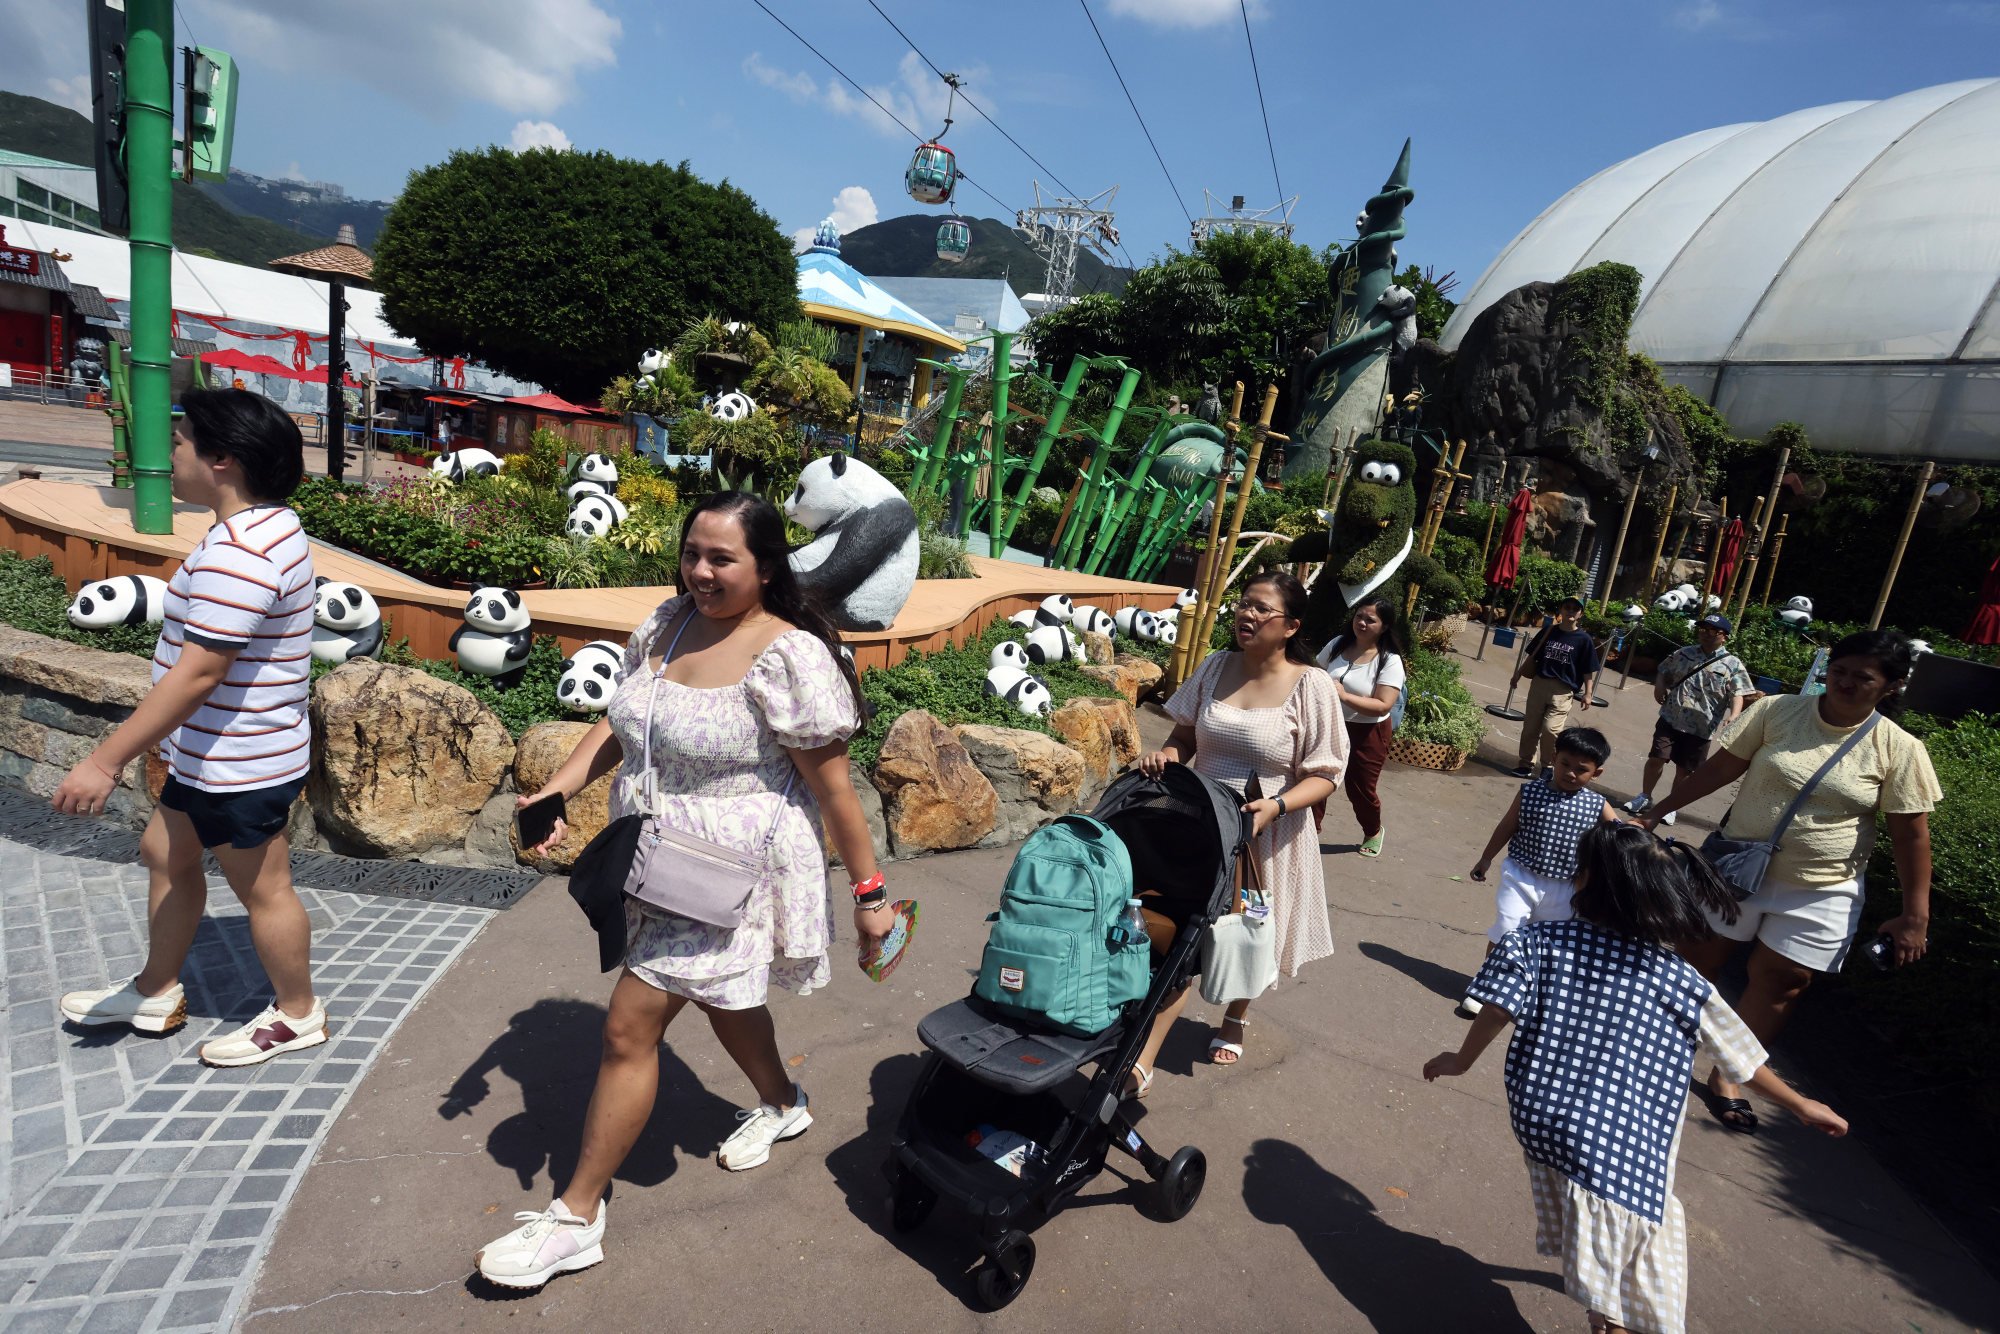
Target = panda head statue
(342,606)
(1187,597)
(1170,630)
(1008,653)
(124,599)
(458,464)
(579,489)
(734,406)
(496,611)
(1635,612)
(834,486)
(589,676)
(1803,604)
(652,361)
(1138,623)
(592,516)
(1056,609)
(1093,620)
(1051,643)
(600,469)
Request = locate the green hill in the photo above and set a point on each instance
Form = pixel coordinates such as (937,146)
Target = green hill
(202,226)
(906,247)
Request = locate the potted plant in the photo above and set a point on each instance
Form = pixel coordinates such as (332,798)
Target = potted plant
(1442,724)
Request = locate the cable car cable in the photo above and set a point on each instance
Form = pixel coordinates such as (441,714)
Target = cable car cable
(1259,80)
(1135,111)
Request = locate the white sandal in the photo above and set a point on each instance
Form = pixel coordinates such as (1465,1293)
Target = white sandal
(1145,1082)
(1235,1049)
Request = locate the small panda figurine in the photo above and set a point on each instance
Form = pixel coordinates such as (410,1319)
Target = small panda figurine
(347,624)
(1187,597)
(590,675)
(1010,654)
(600,469)
(123,599)
(734,406)
(1051,643)
(1711,603)
(494,641)
(1056,609)
(862,561)
(1093,620)
(652,361)
(1025,619)
(1029,694)
(1671,601)
(459,464)
(578,490)
(1797,613)
(1170,630)
(594,516)
(1635,612)
(1138,623)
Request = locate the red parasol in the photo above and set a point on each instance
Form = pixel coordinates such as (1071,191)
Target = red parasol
(1506,562)
(553,403)
(1985,627)
(1727,555)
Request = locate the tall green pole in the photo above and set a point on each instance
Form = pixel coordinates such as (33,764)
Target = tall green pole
(1120,509)
(1142,545)
(120,412)
(996,499)
(932,471)
(149,164)
(1058,411)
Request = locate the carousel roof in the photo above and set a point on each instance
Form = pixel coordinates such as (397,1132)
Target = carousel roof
(832,289)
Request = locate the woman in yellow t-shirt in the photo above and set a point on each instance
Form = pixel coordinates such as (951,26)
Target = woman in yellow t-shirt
(1803,916)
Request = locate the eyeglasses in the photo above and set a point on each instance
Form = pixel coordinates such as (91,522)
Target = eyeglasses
(1261,613)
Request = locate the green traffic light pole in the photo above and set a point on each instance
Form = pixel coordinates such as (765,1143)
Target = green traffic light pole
(149,160)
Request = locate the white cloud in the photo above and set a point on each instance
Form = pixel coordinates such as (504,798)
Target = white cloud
(1735,20)
(1975,11)
(853,208)
(797,85)
(523,56)
(1181,13)
(538,134)
(294,172)
(918,99)
(72,93)
(1700,15)
(43,53)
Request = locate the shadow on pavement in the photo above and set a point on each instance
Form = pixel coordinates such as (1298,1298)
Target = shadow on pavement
(551,1050)
(1397,1280)
(1433,977)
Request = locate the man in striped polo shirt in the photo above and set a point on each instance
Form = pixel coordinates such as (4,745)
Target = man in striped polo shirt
(228,714)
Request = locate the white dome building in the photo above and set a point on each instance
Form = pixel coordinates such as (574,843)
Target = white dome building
(1838,267)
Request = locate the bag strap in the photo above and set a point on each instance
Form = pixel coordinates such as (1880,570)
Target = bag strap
(646,777)
(1853,740)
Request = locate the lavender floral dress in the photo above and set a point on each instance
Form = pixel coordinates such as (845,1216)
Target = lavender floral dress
(722,766)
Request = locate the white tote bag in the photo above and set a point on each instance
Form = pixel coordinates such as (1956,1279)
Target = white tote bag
(1239,956)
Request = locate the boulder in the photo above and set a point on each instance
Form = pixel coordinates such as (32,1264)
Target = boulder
(1096,648)
(540,752)
(1036,777)
(402,760)
(871,811)
(1145,670)
(934,797)
(1123,720)
(1082,725)
(1116,675)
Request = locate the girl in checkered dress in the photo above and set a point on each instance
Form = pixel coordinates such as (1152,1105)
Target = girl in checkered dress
(1608,1019)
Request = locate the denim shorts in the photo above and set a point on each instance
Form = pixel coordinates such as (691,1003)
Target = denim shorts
(241,819)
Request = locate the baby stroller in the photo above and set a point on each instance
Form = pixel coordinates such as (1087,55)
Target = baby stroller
(986,1070)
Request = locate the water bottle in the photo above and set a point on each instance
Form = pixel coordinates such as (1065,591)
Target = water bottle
(1131,928)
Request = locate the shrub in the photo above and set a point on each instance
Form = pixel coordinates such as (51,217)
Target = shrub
(1548,580)
(1460,558)
(32,598)
(1440,709)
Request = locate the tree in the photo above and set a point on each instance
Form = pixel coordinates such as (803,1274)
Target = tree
(1433,293)
(563,267)
(1087,325)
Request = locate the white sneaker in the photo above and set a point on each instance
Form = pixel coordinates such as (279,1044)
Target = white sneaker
(271,1033)
(1468,1008)
(1668,818)
(124,1005)
(554,1241)
(763,1126)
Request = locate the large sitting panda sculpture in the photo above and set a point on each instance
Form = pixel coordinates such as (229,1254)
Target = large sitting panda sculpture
(862,561)
(124,599)
(494,641)
(347,623)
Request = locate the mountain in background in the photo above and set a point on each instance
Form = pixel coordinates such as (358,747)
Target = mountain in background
(203,224)
(906,247)
(316,208)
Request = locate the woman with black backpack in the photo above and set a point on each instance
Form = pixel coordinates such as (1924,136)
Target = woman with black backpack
(1367,664)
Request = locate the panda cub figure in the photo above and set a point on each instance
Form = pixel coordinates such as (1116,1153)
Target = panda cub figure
(458,464)
(577,490)
(1797,613)
(1673,600)
(1635,612)
(1170,630)
(124,599)
(1711,603)
(494,641)
(1093,620)
(862,561)
(347,624)
(734,406)
(652,361)
(1008,653)
(1056,609)
(1027,693)
(1025,619)
(600,469)
(1137,623)
(595,515)
(590,675)
(1052,643)
(1187,597)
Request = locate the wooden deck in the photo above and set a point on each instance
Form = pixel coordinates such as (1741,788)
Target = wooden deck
(86,531)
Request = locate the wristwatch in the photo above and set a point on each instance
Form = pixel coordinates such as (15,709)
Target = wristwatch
(1281,804)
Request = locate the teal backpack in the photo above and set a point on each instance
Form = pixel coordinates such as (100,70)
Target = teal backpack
(1055,954)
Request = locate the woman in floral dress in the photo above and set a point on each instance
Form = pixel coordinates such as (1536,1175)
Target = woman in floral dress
(1265,711)
(750,709)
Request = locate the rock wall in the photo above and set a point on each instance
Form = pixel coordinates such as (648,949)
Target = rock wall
(57,701)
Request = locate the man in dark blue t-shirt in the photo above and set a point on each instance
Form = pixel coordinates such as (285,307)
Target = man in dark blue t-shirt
(1563,664)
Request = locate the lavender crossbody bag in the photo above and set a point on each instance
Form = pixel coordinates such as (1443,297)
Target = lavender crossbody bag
(681,873)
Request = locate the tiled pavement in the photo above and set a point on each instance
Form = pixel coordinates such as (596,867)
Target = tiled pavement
(138,1188)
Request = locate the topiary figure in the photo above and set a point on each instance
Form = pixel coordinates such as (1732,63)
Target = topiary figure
(1369,548)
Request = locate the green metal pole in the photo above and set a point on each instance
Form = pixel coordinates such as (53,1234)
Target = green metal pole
(932,471)
(149,164)
(1058,410)
(1003,374)
(1146,529)
(1085,509)
(1121,509)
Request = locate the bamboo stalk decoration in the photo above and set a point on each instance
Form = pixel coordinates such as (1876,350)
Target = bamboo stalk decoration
(1777,549)
(1715,552)
(1736,575)
(1219,567)
(1647,590)
(1770,513)
(1902,543)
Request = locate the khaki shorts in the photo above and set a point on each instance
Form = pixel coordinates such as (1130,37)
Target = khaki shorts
(1812,925)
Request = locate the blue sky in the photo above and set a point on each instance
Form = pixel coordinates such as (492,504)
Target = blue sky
(1509,104)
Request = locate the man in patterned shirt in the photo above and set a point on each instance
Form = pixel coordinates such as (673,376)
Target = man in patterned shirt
(1700,689)
(227,714)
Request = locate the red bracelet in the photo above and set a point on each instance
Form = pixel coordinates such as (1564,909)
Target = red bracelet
(874,884)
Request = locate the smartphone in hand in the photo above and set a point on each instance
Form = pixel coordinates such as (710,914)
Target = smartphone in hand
(537,820)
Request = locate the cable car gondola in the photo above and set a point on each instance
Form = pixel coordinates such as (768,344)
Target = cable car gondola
(933,171)
(954,239)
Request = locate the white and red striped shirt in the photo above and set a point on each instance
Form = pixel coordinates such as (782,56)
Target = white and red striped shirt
(247,587)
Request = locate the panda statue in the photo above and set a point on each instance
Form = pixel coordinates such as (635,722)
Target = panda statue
(494,641)
(576,491)
(594,516)
(1056,609)
(459,464)
(590,675)
(1711,603)
(1052,643)
(123,599)
(1673,600)
(1027,693)
(1093,620)
(734,406)
(1137,623)
(600,469)
(1025,619)
(1796,613)
(652,361)
(1170,630)
(346,622)
(862,561)
(1187,597)
(1635,612)
(1008,653)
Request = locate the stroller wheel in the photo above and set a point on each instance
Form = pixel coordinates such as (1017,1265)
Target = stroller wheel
(1180,1185)
(911,1203)
(1006,1270)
